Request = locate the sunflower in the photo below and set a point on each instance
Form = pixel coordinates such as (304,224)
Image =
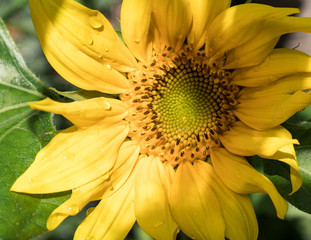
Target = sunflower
(200,87)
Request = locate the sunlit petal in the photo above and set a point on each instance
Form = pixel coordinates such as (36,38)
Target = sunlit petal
(229,29)
(62,166)
(81,45)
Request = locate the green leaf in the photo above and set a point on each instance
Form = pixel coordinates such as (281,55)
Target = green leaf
(23,132)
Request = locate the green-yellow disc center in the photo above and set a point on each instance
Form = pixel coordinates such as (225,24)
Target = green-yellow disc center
(178,105)
(184,104)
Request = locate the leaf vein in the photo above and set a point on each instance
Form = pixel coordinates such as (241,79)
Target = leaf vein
(16,106)
(22,89)
(16,126)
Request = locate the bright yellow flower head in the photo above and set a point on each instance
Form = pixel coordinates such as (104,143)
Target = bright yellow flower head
(200,87)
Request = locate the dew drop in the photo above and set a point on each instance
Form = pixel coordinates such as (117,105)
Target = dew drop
(95,23)
(90,238)
(90,41)
(100,56)
(106,177)
(74,209)
(108,66)
(137,40)
(107,49)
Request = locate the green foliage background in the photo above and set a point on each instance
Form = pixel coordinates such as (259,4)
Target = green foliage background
(17,19)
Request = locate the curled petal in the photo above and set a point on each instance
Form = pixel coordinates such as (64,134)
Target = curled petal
(286,85)
(62,166)
(195,206)
(151,187)
(245,141)
(241,177)
(287,155)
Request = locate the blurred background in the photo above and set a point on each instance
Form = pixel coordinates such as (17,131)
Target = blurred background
(296,226)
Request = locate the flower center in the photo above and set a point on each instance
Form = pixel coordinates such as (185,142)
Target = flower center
(179,105)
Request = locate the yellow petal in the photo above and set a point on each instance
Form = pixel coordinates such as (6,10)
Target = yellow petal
(287,155)
(95,111)
(241,177)
(81,45)
(103,186)
(150,187)
(238,211)
(230,28)
(135,24)
(278,64)
(112,218)
(245,141)
(204,12)
(195,206)
(172,18)
(287,85)
(270,111)
(258,48)
(73,158)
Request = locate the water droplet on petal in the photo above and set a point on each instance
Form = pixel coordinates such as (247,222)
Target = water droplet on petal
(107,49)
(95,23)
(74,209)
(105,177)
(108,66)
(90,238)
(137,40)
(90,41)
